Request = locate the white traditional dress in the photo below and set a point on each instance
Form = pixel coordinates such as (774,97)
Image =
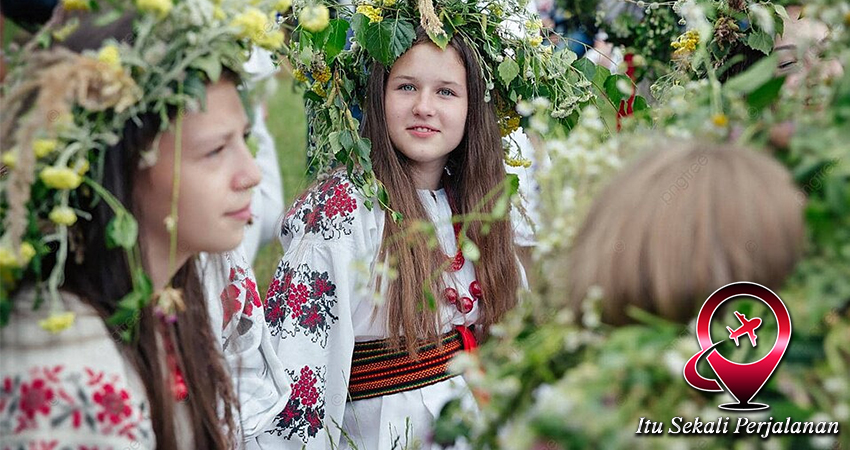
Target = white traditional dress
(321,301)
(76,390)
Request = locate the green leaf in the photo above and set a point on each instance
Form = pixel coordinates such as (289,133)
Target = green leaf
(108,18)
(441,39)
(500,208)
(470,250)
(513,184)
(508,70)
(345,139)
(586,67)
(333,139)
(766,94)
(755,77)
(614,86)
(335,37)
(385,40)
(122,231)
(761,41)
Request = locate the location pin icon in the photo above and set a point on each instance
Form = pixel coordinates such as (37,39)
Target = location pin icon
(743,381)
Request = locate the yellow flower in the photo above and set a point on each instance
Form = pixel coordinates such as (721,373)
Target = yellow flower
(60,177)
(63,215)
(257,26)
(43,147)
(160,7)
(57,322)
(720,120)
(24,256)
(319,90)
(26,253)
(10,159)
(81,166)
(109,55)
(518,162)
(282,5)
(686,43)
(71,5)
(7,257)
(271,40)
(299,76)
(322,75)
(374,14)
(314,18)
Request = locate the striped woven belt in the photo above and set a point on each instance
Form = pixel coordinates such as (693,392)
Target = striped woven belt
(378,370)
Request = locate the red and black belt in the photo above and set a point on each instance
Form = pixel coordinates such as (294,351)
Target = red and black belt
(377,369)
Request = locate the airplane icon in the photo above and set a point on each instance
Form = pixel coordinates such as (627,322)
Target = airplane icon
(747,327)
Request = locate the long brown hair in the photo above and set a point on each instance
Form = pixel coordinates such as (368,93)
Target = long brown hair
(681,222)
(100,276)
(476,169)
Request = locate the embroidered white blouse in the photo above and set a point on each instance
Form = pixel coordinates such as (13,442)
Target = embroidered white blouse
(76,389)
(320,303)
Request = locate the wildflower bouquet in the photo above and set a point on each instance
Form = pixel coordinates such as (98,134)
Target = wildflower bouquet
(63,110)
(549,379)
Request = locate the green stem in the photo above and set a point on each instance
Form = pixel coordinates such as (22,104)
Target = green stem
(175,192)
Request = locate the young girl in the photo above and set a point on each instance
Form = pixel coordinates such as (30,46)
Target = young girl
(373,375)
(76,374)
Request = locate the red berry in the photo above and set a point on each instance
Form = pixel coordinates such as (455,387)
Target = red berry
(475,289)
(450,294)
(465,305)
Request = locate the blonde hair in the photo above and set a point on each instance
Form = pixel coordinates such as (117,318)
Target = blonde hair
(682,222)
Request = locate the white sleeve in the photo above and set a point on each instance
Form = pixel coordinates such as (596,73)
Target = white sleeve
(236,310)
(309,312)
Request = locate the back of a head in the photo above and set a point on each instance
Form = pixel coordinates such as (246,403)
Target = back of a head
(682,222)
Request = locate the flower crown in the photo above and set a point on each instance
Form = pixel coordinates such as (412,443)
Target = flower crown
(63,110)
(506,41)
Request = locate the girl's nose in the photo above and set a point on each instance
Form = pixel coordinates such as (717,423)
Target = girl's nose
(248,173)
(423,106)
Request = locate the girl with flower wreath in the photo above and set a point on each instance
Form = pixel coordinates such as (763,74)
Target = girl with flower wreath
(368,351)
(124,190)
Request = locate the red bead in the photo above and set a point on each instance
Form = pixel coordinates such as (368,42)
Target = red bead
(458,262)
(450,294)
(465,305)
(475,289)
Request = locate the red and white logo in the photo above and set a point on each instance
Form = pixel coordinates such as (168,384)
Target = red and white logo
(742,381)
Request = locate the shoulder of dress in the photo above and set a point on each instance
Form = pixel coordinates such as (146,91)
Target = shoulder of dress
(76,321)
(73,385)
(332,209)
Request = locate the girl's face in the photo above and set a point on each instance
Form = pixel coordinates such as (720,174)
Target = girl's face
(426,104)
(217,172)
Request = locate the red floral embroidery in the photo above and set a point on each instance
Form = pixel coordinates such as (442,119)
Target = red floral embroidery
(301,301)
(305,411)
(116,406)
(326,209)
(252,297)
(35,398)
(240,294)
(54,398)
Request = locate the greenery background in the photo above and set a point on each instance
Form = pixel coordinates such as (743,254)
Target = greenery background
(287,123)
